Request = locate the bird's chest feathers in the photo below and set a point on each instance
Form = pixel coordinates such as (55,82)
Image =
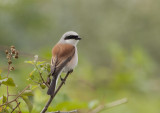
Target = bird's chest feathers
(73,63)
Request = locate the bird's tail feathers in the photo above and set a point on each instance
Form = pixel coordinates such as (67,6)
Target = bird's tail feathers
(52,86)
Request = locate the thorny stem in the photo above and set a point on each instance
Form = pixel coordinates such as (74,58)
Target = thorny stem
(16,96)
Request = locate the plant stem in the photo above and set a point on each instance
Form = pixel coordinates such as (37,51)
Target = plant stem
(7,85)
(16,96)
(52,96)
(15,107)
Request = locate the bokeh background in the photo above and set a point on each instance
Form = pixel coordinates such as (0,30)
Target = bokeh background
(118,55)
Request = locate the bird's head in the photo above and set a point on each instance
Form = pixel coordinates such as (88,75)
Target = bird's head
(70,37)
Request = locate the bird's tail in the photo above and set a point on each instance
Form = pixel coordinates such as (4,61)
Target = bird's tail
(52,86)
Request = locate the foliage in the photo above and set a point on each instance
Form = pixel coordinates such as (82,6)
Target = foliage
(118,55)
(6,105)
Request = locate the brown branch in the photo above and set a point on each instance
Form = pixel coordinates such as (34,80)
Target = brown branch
(51,97)
(16,96)
(73,111)
(15,107)
(7,85)
(110,105)
(18,106)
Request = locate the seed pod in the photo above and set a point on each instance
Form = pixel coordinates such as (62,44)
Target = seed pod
(16,56)
(16,52)
(13,51)
(6,51)
(13,47)
(11,68)
(9,62)
(8,56)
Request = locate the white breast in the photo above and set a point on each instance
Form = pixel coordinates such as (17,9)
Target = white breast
(73,63)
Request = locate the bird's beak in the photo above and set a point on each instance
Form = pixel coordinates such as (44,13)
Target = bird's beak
(79,38)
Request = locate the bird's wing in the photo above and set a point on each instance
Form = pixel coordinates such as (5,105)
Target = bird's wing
(61,55)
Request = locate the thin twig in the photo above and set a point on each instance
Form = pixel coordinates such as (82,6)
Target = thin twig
(12,95)
(110,105)
(40,74)
(7,85)
(52,96)
(18,106)
(16,96)
(15,107)
(73,111)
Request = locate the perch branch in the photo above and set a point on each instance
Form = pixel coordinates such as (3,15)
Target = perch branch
(40,74)
(15,107)
(51,97)
(16,96)
(110,105)
(73,111)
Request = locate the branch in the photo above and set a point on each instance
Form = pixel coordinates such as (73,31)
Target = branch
(16,96)
(51,97)
(73,111)
(110,105)
(40,74)
(15,107)
(7,85)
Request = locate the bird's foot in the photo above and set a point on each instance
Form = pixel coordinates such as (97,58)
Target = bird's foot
(70,71)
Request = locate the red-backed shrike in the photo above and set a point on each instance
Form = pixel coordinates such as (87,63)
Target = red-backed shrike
(64,57)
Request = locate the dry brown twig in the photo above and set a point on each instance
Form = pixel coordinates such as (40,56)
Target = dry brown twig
(16,96)
(15,107)
(73,111)
(52,97)
(110,105)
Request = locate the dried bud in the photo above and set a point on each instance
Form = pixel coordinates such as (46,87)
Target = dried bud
(13,47)
(8,56)
(9,62)
(16,52)
(13,51)
(11,68)
(16,56)
(6,52)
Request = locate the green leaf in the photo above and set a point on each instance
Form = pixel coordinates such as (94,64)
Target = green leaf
(42,70)
(93,104)
(40,62)
(4,99)
(7,81)
(1,98)
(29,104)
(31,75)
(43,86)
(33,87)
(5,111)
(27,93)
(29,62)
(10,106)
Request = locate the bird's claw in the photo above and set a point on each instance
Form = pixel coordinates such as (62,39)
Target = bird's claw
(70,71)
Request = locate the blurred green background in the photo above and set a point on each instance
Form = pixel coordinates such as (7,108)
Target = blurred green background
(118,55)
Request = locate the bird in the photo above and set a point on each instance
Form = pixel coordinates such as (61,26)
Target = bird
(64,58)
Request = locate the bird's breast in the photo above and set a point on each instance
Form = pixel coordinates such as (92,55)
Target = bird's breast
(73,63)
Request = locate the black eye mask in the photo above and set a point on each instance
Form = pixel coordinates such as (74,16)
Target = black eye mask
(72,37)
